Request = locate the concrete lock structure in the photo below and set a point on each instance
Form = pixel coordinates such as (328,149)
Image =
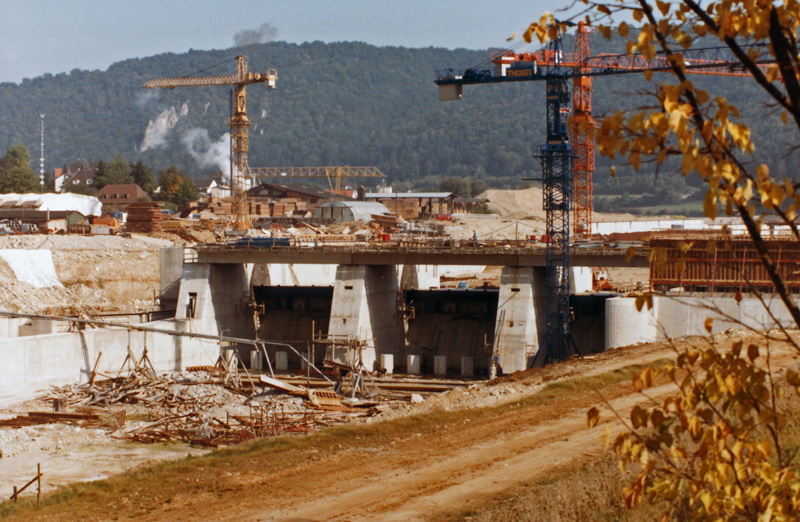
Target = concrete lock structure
(392,314)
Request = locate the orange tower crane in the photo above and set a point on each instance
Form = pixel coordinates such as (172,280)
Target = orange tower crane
(567,157)
(581,68)
(240,125)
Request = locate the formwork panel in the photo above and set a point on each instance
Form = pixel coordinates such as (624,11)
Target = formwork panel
(721,264)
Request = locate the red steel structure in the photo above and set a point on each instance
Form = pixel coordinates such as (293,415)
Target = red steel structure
(533,66)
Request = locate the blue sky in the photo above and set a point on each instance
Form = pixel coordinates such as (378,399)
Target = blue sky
(53,36)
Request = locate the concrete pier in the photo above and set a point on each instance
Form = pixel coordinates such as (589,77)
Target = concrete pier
(520,317)
(364,308)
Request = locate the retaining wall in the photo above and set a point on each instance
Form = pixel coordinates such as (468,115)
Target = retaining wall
(32,364)
(673,317)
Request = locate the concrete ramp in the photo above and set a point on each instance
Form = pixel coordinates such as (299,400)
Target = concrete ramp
(34,267)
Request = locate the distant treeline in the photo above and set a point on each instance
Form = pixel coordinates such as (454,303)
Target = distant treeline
(342,104)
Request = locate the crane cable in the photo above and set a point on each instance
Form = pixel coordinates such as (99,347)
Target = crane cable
(227,60)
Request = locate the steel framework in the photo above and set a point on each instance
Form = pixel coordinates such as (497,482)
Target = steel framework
(556,159)
(240,125)
(568,158)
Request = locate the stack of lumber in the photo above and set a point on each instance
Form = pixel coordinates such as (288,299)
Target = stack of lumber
(221,207)
(388,223)
(143,216)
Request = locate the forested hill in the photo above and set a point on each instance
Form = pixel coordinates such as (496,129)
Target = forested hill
(341,103)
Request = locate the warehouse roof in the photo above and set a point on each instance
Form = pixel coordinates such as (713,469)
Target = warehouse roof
(414,195)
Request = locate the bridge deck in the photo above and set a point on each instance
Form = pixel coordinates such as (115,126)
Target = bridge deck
(593,254)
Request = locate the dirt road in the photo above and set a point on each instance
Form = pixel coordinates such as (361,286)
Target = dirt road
(430,466)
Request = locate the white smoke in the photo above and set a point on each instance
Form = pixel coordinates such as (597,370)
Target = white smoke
(155,135)
(208,153)
(265,33)
(145,98)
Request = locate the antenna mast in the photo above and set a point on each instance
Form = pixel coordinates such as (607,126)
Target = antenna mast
(41,156)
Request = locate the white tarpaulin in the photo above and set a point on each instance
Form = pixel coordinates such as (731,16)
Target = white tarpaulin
(86,205)
(34,267)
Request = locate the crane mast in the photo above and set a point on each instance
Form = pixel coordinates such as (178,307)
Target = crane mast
(556,158)
(568,157)
(239,124)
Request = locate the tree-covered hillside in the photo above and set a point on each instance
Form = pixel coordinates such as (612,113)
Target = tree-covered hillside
(342,103)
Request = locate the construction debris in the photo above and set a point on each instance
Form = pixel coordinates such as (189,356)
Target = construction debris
(200,407)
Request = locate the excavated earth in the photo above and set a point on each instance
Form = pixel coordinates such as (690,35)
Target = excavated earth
(99,274)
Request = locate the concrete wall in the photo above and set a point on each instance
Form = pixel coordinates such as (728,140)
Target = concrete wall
(678,316)
(450,323)
(34,363)
(170,271)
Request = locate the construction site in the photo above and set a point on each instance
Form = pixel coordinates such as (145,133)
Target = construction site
(255,316)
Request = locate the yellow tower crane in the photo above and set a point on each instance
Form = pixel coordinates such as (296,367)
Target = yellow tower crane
(240,125)
(336,176)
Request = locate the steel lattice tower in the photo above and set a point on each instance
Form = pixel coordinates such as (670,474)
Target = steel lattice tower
(556,158)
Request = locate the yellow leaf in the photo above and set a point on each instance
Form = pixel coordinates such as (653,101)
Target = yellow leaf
(793,378)
(709,323)
(638,416)
(613,172)
(710,205)
(623,30)
(784,117)
(752,352)
(772,72)
(638,14)
(634,158)
(513,35)
(648,75)
(605,31)
(706,499)
(663,7)
(648,374)
(657,418)
(629,254)
(592,417)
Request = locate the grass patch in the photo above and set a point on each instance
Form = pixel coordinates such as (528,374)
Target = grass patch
(589,494)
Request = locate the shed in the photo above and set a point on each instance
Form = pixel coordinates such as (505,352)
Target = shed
(350,211)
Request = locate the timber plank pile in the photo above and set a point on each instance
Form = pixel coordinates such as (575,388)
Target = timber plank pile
(202,407)
(143,217)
